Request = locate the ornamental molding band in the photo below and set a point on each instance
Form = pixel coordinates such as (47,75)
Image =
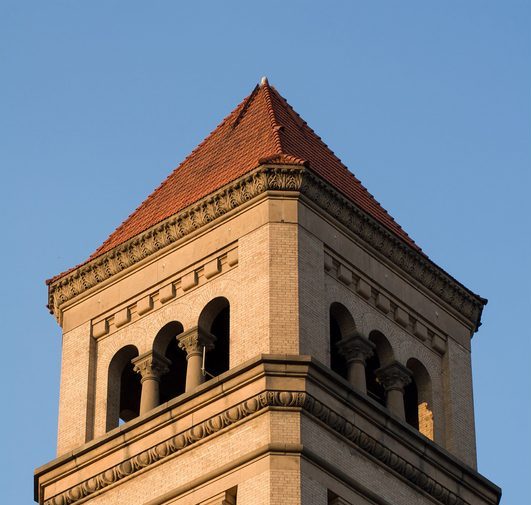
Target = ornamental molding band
(287,178)
(411,261)
(173,288)
(266,399)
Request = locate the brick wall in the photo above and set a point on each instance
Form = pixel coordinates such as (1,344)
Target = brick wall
(313,313)
(76,399)
(459,403)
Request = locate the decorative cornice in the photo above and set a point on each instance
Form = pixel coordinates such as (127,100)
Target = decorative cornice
(279,399)
(413,262)
(265,178)
(64,288)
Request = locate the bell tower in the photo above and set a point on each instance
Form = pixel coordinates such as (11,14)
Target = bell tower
(260,331)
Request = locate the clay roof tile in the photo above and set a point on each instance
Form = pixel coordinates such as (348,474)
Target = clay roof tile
(262,129)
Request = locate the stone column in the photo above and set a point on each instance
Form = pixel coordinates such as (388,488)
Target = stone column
(151,366)
(394,378)
(193,341)
(356,349)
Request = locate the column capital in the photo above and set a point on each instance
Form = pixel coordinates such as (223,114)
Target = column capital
(194,339)
(355,347)
(394,376)
(151,365)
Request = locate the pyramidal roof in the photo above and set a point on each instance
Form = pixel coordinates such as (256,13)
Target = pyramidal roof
(262,129)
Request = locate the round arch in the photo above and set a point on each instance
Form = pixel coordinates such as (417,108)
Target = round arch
(418,400)
(123,388)
(341,325)
(215,319)
(383,355)
(173,382)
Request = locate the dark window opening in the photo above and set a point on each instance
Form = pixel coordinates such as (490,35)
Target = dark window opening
(337,362)
(341,326)
(374,388)
(411,403)
(123,388)
(130,392)
(217,360)
(215,319)
(383,355)
(173,383)
(418,399)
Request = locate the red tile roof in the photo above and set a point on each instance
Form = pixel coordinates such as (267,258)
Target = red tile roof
(263,128)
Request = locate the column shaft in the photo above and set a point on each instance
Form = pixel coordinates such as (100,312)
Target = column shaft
(394,378)
(195,341)
(356,375)
(150,395)
(151,366)
(356,349)
(194,376)
(395,403)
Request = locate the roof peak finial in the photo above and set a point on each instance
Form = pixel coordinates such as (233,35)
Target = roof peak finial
(264,81)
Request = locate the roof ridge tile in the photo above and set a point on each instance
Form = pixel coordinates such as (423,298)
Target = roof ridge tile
(275,125)
(245,105)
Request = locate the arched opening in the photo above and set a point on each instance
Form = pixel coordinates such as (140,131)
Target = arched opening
(383,355)
(418,399)
(411,401)
(341,325)
(215,319)
(123,388)
(173,383)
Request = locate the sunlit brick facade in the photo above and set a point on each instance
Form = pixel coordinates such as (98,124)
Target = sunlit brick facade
(261,332)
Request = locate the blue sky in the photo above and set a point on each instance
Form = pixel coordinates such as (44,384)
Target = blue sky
(428,103)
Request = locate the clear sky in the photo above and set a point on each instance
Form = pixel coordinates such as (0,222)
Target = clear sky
(428,103)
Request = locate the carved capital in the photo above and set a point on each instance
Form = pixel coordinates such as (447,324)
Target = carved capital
(355,347)
(393,376)
(193,340)
(151,365)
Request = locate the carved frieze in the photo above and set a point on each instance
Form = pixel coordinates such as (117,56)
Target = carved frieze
(237,413)
(264,178)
